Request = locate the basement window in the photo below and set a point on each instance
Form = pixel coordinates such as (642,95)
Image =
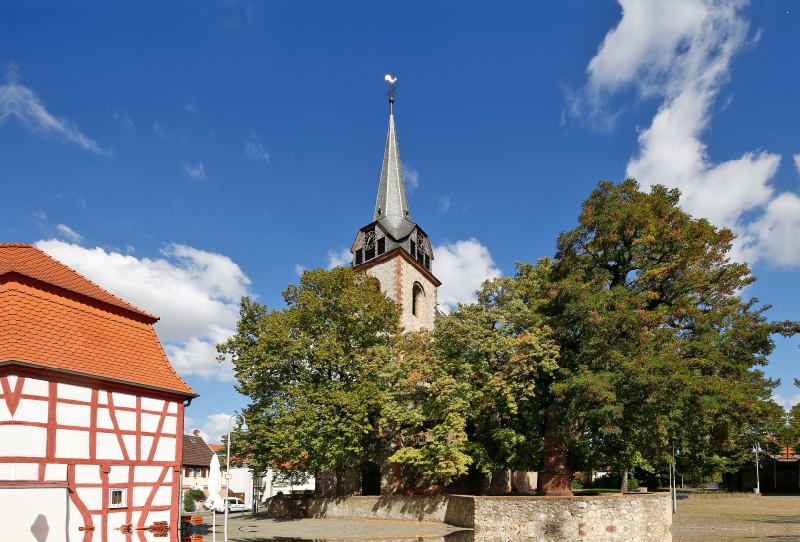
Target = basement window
(117,497)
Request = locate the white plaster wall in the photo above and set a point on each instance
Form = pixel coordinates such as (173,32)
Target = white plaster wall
(72,444)
(126,420)
(21,510)
(147,474)
(6,471)
(54,472)
(75,520)
(69,414)
(78,393)
(163,496)
(5,414)
(33,386)
(31,410)
(92,497)
(104,419)
(108,446)
(170,426)
(118,474)
(130,445)
(140,494)
(115,520)
(173,407)
(165,450)
(124,400)
(87,474)
(23,441)
(150,422)
(152,404)
(102,397)
(26,471)
(146,443)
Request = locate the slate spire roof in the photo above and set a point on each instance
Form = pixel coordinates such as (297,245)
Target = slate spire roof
(391,207)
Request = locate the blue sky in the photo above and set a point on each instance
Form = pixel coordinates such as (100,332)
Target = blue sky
(182,155)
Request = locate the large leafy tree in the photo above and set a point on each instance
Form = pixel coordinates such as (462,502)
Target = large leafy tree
(312,371)
(468,395)
(655,344)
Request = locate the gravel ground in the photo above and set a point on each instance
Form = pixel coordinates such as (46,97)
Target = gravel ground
(770,518)
(246,528)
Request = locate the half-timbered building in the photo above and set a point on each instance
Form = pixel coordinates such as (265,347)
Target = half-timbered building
(91,412)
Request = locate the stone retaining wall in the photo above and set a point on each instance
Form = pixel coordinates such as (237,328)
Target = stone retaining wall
(634,518)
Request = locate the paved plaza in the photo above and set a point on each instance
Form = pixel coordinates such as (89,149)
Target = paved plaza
(770,518)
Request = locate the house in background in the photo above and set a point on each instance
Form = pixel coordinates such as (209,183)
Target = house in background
(195,465)
(91,412)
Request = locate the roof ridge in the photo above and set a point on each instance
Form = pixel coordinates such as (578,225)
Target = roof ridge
(105,297)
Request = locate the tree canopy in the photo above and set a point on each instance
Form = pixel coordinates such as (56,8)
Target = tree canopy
(311,371)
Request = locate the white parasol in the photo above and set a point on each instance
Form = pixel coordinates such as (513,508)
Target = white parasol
(214,502)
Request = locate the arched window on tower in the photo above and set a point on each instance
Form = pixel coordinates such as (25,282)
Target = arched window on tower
(417,297)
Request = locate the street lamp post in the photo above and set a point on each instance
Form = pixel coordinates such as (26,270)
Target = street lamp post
(758,478)
(243,430)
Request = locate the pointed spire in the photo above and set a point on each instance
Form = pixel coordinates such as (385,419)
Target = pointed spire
(392,204)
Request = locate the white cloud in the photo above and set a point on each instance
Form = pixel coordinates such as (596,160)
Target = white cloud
(124,120)
(40,215)
(190,108)
(462,267)
(787,402)
(342,258)
(196,294)
(213,429)
(253,148)
(444,203)
(298,269)
(411,177)
(797,161)
(681,52)
(17,100)
(157,128)
(198,173)
(68,232)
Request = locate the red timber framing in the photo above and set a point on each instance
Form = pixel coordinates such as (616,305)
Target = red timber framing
(164,473)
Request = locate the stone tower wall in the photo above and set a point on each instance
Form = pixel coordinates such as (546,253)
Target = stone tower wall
(397,277)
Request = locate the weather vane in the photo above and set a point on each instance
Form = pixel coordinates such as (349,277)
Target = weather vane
(392,88)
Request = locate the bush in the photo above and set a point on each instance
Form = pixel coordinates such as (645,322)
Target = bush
(613,480)
(576,484)
(190,499)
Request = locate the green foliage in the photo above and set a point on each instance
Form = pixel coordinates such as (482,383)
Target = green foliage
(655,344)
(190,498)
(576,484)
(312,371)
(469,393)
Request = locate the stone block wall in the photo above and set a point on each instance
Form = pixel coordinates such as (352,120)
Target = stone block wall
(632,518)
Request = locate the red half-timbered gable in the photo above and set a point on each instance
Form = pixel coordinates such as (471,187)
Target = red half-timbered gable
(91,412)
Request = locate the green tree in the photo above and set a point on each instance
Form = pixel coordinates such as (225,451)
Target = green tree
(467,394)
(312,371)
(655,344)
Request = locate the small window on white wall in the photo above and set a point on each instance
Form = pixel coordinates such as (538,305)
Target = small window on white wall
(117,498)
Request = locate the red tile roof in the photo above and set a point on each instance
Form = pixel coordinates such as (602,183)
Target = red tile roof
(30,261)
(41,324)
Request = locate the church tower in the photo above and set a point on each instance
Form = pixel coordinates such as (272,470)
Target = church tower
(393,249)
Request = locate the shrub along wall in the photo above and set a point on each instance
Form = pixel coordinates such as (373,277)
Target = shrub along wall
(608,517)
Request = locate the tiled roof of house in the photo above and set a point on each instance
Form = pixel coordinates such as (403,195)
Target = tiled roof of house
(196,453)
(30,261)
(43,326)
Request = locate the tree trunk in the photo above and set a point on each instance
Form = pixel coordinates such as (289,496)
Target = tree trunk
(340,487)
(624,486)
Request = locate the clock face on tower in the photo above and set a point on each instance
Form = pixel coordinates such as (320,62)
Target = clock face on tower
(369,240)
